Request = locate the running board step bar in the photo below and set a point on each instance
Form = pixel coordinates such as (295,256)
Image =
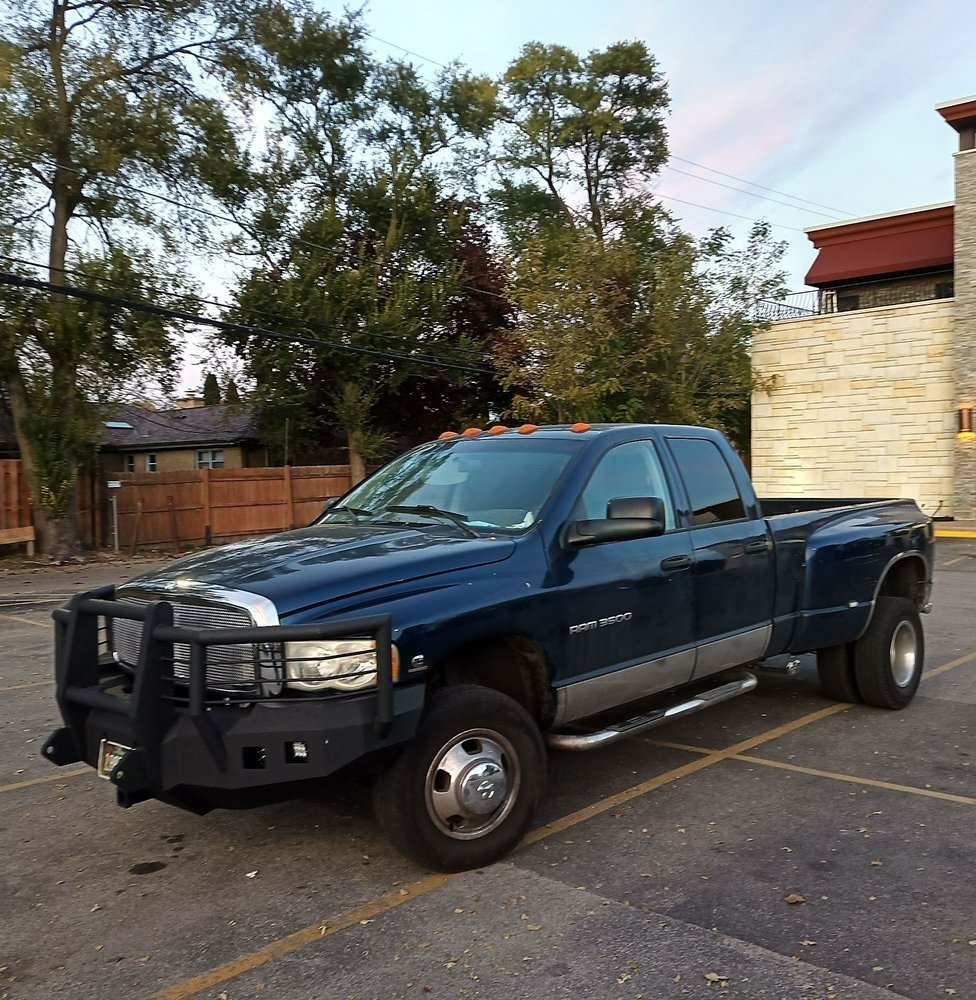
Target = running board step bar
(640,723)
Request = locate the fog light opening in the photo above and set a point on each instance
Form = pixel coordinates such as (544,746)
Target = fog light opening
(296,752)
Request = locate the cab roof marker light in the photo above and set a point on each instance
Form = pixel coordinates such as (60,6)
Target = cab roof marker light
(580,428)
(528,428)
(500,429)
(447,435)
(471,432)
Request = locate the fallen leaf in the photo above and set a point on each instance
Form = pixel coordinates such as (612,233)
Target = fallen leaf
(807,943)
(876,864)
(250,874)
(714,977)
(793,898)
(533,927)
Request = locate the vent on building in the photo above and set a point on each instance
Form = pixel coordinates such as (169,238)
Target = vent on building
(944,290)
(848,303)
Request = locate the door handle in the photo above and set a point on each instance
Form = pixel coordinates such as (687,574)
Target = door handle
(759,545)
(676,562)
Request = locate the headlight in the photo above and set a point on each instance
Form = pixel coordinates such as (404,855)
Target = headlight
(345,664)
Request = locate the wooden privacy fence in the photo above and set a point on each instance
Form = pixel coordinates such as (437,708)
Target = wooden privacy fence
(217,505)
(15,514)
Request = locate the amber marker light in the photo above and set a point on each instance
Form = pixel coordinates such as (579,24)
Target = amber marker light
(498,430)
(528,428)
(471,432)
(966,432)
(447,435)
(580,428)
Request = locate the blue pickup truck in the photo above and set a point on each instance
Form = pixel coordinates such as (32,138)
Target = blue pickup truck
(477,597)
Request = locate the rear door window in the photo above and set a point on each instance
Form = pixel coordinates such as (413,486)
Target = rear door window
(708,479)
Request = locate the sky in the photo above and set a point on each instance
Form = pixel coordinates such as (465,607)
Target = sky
(831,102)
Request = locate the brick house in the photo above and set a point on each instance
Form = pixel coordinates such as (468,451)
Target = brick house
(873,374)
(189,437)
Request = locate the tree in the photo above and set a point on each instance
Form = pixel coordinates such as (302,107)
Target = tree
(232,396)
(584,133)
(98,102)
(211,390)
(357,233)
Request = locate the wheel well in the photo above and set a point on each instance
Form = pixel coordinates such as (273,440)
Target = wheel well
(906,578)
(511,664)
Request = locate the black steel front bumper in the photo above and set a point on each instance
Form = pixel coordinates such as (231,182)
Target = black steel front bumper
(199,749)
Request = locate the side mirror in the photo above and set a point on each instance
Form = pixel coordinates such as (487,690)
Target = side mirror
(627,518)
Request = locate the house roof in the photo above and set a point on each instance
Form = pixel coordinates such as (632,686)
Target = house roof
(192,427)
(882,246)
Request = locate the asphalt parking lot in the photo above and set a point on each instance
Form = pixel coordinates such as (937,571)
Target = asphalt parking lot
(778,845)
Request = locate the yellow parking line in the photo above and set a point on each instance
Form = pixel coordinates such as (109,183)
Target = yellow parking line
(17,785)
(30,684)
(929,674)
(28,621)
(958,559)
(308,935)
(853,779)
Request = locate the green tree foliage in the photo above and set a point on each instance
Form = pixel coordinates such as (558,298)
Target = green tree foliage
(622,316)
(211,390)
(97,100)
(232,396)
(358,237)
(583,134)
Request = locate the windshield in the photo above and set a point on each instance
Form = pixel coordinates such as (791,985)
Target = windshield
(485,483)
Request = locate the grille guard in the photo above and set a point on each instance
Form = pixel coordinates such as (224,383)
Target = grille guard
(84,682)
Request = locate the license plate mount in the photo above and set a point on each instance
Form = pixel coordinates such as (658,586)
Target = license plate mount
(110,755)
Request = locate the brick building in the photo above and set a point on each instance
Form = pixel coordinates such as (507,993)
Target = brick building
(872,379)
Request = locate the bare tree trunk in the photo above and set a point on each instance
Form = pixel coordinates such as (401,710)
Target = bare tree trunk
(351,411)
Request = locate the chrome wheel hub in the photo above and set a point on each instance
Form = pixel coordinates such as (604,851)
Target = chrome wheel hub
(903,653)
(472,784)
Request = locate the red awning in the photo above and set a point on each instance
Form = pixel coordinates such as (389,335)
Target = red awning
(882,248)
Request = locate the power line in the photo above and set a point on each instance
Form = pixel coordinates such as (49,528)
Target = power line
(471,351)
(21,281)
(733,177)
(753,194)
(711,208)
(330,252)
(410,52)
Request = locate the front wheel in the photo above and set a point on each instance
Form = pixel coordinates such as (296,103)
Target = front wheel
(888,658)
(463,793)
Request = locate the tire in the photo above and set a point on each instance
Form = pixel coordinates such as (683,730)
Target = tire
(888,658)
(835,665)
(435,801)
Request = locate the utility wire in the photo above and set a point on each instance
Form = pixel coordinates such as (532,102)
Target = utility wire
(733,177)
(753,194)
(712,208)
(330,252)
(472,352)
(20,281)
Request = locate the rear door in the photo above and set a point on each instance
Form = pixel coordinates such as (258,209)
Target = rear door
(626,607)
(733,573)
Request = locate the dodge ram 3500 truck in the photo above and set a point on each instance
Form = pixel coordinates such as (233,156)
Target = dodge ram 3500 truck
(476,597)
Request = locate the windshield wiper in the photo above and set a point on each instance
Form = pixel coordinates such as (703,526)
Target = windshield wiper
(427,510)
(348,509)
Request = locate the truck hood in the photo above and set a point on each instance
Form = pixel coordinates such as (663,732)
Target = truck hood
(316,565)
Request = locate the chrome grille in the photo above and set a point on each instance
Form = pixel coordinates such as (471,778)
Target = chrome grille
(229,668)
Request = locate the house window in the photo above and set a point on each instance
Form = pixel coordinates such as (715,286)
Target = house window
(130,463)
(211,458)
(944,290)
(848,303)
(151,462)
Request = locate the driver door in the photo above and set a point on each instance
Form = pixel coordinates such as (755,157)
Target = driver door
(627,607)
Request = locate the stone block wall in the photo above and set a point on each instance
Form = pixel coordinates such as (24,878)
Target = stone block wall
(863,405)
(964,350)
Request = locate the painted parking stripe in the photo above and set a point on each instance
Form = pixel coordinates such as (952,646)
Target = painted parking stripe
(308,935)
(27,621)
(29,684)
(17,785)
